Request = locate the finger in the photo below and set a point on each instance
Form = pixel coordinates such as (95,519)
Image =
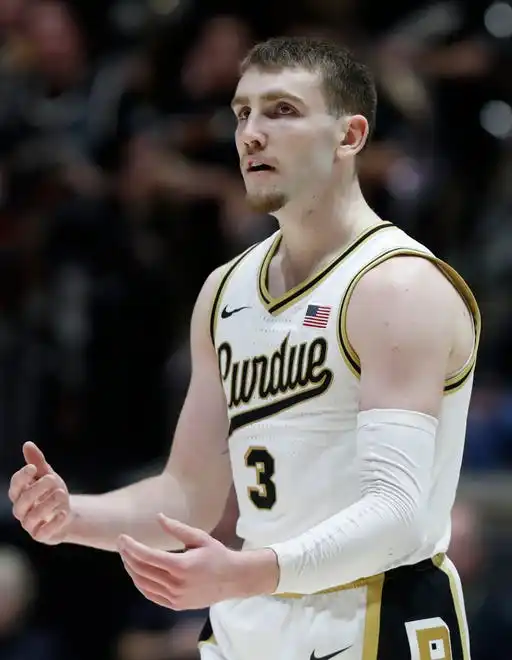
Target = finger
(191,537)
(35,456)
(54,503)
(146,585)
(130,547)
(35,492)
(20,480)
(46,530)
(30,496)
(146,570)
(155,598)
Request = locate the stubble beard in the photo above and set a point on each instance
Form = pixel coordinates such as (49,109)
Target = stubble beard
(266,201)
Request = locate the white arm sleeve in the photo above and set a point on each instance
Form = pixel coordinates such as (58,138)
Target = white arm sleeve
(395,451)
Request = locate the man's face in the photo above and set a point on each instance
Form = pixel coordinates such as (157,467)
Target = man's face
(286,139)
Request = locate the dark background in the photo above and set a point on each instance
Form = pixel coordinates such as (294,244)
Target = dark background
(119,193)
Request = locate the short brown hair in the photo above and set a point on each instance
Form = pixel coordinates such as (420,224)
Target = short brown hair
(348,84)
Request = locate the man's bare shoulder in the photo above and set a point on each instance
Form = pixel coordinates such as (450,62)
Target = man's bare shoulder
(403,319)
(405,304)
(405,281)
(214,279)
(205,307)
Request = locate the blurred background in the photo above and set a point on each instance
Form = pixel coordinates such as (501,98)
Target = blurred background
(120,192)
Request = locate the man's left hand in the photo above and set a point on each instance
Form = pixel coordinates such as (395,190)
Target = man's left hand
(206,573)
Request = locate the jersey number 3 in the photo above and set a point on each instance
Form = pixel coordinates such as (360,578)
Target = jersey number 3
(263,496)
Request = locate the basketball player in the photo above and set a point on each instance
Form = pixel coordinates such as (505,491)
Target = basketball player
(337,357)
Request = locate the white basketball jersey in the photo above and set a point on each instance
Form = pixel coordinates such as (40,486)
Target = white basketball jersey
(291,380)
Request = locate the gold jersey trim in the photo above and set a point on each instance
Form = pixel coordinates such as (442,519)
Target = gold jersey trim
(210,640)
(453,382)
(277,305)
(231,267)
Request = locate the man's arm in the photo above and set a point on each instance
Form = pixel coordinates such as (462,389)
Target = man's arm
(225,531)
(403,322)
(194,485)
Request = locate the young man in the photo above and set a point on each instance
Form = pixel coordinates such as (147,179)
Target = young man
(337,359)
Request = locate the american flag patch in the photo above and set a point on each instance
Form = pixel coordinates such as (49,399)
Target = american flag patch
(317,316)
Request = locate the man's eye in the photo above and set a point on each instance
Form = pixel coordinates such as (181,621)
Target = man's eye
(285,109)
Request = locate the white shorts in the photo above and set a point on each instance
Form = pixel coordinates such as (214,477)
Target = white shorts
(409,613)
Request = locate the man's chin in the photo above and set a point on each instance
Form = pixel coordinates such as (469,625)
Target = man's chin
(267,202)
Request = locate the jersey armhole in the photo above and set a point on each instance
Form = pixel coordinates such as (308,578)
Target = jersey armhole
(456,380)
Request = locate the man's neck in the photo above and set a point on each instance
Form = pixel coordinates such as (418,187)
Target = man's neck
(323,226)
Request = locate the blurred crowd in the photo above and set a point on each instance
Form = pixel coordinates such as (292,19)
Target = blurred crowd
(120,192)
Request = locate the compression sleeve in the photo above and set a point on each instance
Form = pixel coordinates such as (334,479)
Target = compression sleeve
(395,450)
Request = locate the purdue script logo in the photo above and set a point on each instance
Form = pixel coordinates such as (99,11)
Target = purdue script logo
(295,372)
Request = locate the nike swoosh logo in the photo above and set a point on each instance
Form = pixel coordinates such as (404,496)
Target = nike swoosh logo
(330,655)
(225,314)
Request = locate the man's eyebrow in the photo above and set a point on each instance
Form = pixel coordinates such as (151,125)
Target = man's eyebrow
(274,95)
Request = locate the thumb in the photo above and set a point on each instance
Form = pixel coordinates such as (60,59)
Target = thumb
(189,536)
(34,456)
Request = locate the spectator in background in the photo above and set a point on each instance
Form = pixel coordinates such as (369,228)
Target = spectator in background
(19,640)
(489,432)
(448,54)
(487,590)
(155,633)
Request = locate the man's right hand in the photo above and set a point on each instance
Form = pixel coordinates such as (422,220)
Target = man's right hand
(40,498)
